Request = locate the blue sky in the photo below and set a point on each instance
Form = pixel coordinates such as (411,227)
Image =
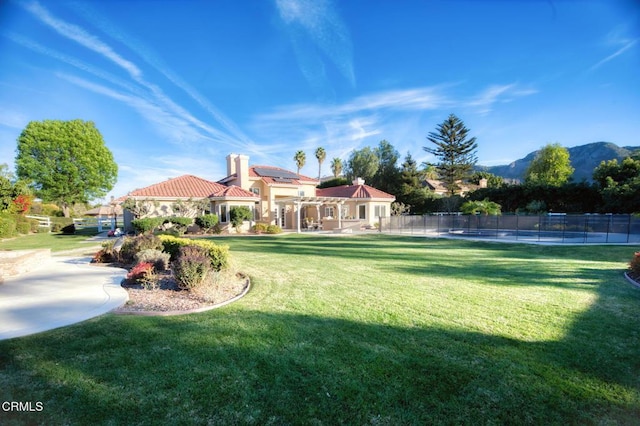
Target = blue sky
(175,86)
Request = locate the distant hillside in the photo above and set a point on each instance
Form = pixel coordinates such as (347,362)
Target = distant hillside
(584,159)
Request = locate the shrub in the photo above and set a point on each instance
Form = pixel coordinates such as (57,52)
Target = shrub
(177,224)
(260,228)
(107,253)
(171,232)
(207,222)
(273,229)
(7,227)
(147,224)
(159,259)
(57,223)
(634,265)
(178,220)
(23,227)
(102,256)
(194,229)
(140,271)
(69,229)
(191,267)
(132,246)
(238,215)
(218,254)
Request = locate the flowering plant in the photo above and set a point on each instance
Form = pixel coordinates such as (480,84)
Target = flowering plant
(140,271)
(22,203)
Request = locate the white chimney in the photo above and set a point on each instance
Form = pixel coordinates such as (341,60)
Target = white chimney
(242,169)
(358,181)
(231,164)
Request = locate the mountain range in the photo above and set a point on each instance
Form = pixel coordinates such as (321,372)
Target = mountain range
(584,158)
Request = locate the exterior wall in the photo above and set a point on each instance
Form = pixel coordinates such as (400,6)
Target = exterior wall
(222,209)
(157,208)
(271,194)
(370,217)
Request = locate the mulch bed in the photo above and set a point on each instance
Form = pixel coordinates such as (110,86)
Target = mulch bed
(167,297)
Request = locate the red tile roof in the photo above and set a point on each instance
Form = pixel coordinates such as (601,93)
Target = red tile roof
(353,191)
(189,186)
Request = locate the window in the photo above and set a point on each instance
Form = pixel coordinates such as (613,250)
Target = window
(328,212)
(362,212)
(380,211)
(300,193)
(255,190)
(223,213)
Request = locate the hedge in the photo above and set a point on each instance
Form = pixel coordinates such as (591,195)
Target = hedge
(219,254)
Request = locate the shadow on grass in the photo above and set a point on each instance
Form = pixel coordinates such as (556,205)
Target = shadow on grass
(263,368)
(382,246)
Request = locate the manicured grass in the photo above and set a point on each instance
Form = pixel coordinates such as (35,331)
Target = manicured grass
(54,241)
(360,330)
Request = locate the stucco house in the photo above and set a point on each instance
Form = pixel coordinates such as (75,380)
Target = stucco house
(275,195)
(161,199)
(292,200)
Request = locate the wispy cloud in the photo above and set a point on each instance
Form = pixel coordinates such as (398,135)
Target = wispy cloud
(314,25)
(391,114)
(628,45)
(82,37)
(618,39)
(157,64)
(148,99)
(487,98)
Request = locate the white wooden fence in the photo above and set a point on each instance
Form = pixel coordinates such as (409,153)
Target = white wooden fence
(101,222)
(43,221)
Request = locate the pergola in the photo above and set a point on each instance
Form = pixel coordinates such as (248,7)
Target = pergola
(299,202)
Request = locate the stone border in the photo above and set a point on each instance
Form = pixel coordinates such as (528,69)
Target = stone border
(247,287)
(631,280)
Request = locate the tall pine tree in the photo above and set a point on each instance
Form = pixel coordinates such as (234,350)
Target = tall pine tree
(455,153)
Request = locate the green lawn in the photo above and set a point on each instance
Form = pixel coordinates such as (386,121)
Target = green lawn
(359,330)
(54,241)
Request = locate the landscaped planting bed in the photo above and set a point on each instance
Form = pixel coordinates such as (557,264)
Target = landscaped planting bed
(359,330)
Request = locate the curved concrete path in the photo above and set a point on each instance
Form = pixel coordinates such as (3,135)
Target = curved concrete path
(62,291)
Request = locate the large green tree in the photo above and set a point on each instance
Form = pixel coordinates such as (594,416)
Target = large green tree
(455,153)
(387,177)
(551,166)
(321,154)
(362,163)
(65,162)
(412,193)
(619,184)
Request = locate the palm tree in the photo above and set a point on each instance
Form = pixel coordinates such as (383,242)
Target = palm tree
(336,166)
(321,154)
(300,158)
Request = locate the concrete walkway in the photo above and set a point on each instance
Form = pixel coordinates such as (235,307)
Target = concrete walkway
(62,291)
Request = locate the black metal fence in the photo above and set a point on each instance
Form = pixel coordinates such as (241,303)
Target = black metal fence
(551,228)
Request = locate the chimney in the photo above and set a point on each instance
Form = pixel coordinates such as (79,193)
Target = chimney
(242,169)
(483,183)
(358,181)
(231,164)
